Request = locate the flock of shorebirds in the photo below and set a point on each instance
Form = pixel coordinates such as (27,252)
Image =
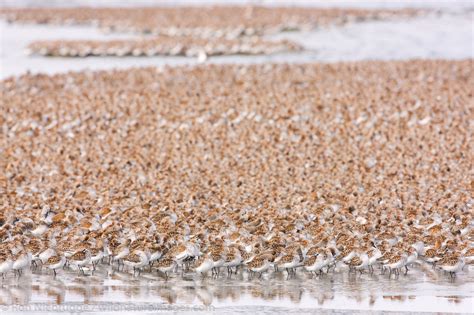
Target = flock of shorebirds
(255,170)
(206,31)
(352,167)
(171,46)
(203,22)
(164,242)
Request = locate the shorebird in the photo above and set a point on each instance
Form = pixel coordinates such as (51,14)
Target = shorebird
(289,263)
(39,230)
(203,264)
(452,264)
(41,250)
(259,265)
(68,247)
(217,260)
(374,254)
(136,260)
(433,255)
(412,257)
(80,259)
(157,251)
(315,264)
(97,253)
(469,255)
(166,265)
(55,262)
(34,247)
(313,251)
(396,262)
(346,254)
(247,256)
(358,262)
(183,253)
(120,251)
(20,262)
(233,259)
(6,262)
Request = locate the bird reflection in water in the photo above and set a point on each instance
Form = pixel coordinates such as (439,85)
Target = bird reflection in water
(56,289)
(119,286)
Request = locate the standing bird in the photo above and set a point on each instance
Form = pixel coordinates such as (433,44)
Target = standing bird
(81,259)
(452,265)
(21,261)
(204,264)
(166,265)
(137,260)
(315,264)
(259,265)
(6,262)
(55,262)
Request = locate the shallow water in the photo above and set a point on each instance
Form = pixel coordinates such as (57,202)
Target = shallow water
(108,291)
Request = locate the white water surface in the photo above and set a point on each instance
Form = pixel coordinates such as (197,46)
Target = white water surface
(108,291)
